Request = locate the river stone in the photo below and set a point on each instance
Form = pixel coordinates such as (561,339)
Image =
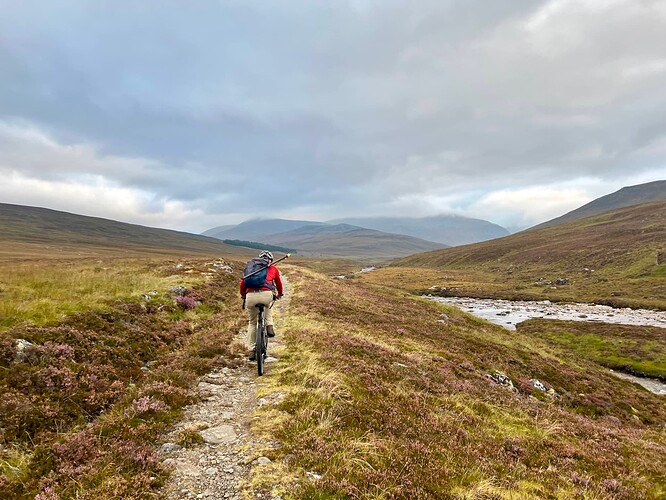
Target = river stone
(218,435)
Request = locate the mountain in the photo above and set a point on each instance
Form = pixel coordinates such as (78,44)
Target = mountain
(451,230)
(31,228)
(257,229)
(625,197)
(620,253)
(218,229)
(328,240)
(344,240)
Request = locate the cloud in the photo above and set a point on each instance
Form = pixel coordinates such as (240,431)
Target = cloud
(239,109)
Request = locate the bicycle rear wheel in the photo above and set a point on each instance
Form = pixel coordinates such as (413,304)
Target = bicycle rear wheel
(260,346)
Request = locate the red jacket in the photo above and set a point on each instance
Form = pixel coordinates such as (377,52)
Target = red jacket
(272,278)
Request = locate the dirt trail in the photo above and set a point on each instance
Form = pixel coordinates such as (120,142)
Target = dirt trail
(220,468)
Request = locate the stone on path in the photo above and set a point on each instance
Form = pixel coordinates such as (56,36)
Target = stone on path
(188,469)
(218,435)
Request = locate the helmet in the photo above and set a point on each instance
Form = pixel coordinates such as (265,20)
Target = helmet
(266,255)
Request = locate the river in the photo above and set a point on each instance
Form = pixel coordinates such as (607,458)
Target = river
(508,313)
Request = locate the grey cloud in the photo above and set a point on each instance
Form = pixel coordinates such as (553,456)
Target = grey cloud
(339,105)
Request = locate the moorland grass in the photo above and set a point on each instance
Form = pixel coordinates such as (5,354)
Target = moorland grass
(43,291)
(640,350)
(511,283)
(386,396)
(85,405)
(611,259)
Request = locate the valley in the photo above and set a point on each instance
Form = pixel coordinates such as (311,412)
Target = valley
(116,360)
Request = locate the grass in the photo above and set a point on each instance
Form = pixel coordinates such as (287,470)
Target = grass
(85,405)
(634,349)
(610,259)
(386,399)
(41,292)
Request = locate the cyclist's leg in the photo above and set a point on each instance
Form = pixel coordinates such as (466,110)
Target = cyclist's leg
(250,303)
(269,311)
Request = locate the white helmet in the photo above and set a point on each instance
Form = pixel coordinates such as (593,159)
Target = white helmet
(266,255)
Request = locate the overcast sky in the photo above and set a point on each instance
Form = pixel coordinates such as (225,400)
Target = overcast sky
(189,115)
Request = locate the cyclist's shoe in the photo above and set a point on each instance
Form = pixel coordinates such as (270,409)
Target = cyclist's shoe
(269,331)
(252,356)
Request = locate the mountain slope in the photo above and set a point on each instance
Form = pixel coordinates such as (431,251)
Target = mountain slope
(344,240)
(258,229)
(610,238)
(625,197)
(211,232)
(33,227)
(618,257)
(450,230)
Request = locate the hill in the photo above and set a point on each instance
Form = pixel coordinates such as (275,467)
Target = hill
(625,197)
(451,230)
(328,240)
(29,230)
(218,229)
(618,257)
(258,229)
(344,240)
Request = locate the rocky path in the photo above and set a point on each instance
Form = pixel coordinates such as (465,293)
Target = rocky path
(220,467)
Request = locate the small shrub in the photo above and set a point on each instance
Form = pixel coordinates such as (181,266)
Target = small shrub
(189,438)
(186,302)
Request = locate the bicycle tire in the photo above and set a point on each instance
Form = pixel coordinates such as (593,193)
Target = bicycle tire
(260,345)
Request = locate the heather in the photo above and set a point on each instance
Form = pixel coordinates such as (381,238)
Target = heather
(85,399)
(389,396)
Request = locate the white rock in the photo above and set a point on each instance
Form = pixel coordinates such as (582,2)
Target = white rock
(218,435)
(188,469)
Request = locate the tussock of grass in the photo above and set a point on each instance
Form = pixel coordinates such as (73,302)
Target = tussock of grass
(384,401)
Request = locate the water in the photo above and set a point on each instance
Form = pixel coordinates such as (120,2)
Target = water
(364,270)
(651,384)
(508,313)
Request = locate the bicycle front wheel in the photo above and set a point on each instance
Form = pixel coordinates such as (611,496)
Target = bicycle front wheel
(260,348)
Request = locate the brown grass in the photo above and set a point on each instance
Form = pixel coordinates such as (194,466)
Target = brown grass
(386,397)
(609,258)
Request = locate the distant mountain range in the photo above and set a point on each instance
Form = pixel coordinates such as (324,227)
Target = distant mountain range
(32,227)
(625,197)
(365,238)
(327,240)
(451,230)
(257,229)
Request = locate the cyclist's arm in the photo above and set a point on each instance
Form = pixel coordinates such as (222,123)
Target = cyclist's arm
(278,283)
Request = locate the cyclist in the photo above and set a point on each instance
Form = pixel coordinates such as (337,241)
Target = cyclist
(269,291)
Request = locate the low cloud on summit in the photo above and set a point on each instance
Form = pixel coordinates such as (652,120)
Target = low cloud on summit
(191,115)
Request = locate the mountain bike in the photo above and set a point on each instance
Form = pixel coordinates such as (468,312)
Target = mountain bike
(261,346)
